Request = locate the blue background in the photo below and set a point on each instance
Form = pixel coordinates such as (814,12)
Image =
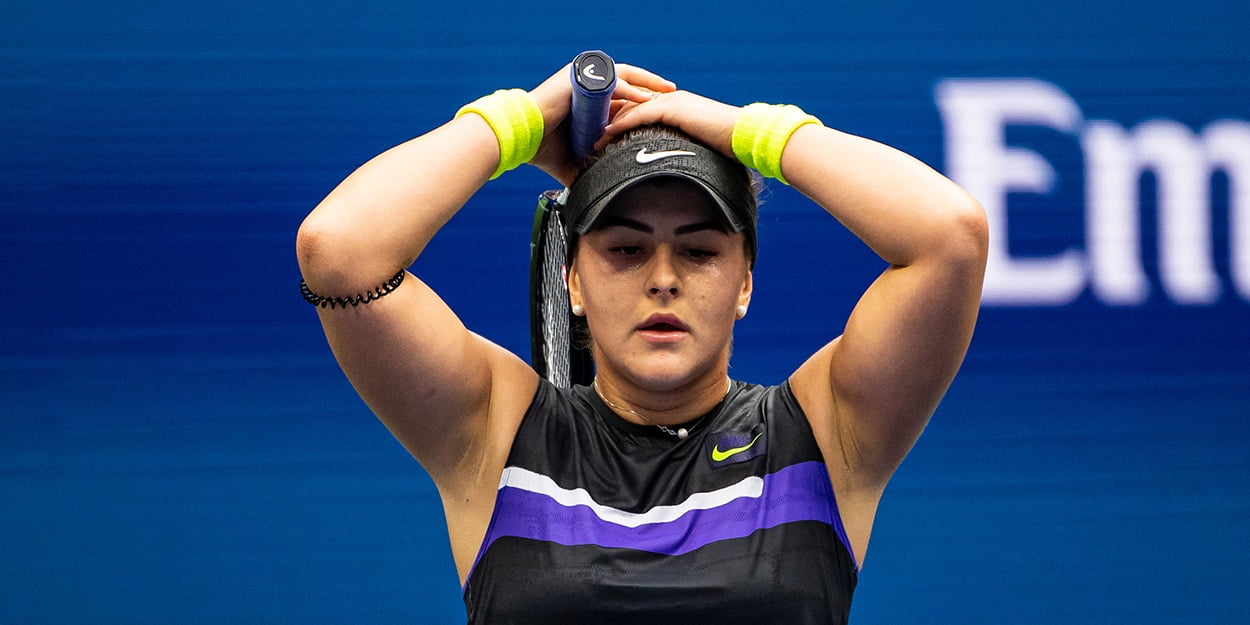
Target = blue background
(177,444)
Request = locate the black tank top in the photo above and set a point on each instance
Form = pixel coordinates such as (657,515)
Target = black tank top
(598,520)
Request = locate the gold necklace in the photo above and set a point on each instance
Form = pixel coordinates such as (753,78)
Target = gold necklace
(681,433)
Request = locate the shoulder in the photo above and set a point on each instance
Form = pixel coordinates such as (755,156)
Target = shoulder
(554,422)
(775,411)
(553,410)
(768,401)
(555,406)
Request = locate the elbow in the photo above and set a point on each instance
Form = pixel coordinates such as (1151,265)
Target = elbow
(335,256)
(309,245)
(326,253)
(966,237)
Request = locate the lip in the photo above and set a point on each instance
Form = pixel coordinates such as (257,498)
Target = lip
(663,328)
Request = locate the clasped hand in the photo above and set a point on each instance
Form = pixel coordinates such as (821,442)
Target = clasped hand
(641,98)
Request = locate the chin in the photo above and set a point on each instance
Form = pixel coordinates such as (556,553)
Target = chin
(666,374)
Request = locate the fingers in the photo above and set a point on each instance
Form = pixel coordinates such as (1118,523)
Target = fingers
(637,84)
(633,85)
(617,106)
(642,97)
(704,119)
(655,108)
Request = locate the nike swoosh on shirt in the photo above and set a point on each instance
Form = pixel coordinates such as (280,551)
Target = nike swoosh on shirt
(643,157)
(721,456)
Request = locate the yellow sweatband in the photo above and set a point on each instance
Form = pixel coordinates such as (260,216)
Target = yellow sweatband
(761,133)
(517,122)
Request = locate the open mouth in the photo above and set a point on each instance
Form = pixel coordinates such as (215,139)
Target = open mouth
(663,325)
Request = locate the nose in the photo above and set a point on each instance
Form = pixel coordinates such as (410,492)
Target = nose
(664,281)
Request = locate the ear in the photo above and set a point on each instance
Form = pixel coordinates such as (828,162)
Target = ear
(573,281)
(744,296)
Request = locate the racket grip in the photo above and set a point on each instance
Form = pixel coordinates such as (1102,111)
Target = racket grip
(593,74)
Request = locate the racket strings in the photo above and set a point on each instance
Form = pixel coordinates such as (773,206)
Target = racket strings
(555,302)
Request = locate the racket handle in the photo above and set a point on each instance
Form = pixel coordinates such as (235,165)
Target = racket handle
(594,78)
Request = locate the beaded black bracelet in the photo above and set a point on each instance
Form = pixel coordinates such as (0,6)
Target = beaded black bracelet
(334,302)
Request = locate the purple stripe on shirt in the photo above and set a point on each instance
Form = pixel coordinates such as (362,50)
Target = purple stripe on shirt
(799,492)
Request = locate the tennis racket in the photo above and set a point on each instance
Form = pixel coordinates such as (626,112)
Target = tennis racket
(554,353)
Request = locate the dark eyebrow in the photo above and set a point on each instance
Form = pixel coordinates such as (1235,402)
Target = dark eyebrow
(625,222)
(711,224)
(622,222)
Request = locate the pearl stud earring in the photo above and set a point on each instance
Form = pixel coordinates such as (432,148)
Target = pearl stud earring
(578,310)
(742,311)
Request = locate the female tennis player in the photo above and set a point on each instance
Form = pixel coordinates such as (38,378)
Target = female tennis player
(665,491)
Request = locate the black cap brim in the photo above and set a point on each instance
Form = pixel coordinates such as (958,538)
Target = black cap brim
(725,181)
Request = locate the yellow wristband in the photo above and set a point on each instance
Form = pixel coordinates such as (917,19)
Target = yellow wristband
(761,132)
(517,122)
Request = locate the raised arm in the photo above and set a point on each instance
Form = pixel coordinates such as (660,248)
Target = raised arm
(445,393)
(409,357)
(870,392)
(878,383)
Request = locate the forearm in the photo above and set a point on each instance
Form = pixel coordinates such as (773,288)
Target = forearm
(380,218)
(901,208)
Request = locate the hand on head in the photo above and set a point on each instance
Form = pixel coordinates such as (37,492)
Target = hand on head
(641,98)
(634,85)
(707,120)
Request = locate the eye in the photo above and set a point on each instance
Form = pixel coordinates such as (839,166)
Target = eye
(701,253)
(626,250)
